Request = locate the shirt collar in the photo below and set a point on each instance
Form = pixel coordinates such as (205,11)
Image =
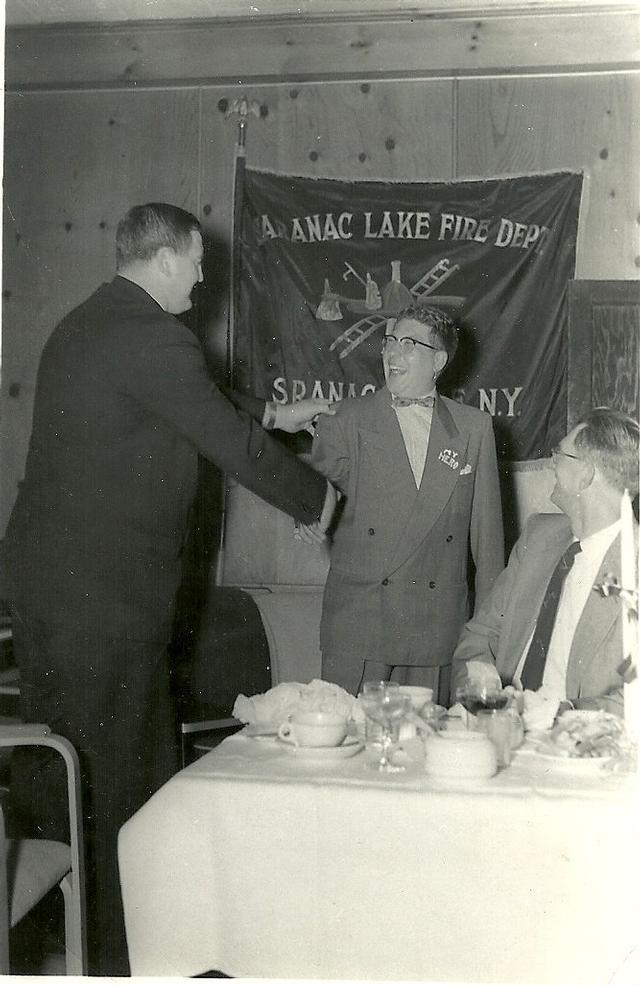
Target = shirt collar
(601,540)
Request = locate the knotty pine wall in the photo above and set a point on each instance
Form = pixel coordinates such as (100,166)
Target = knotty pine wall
(79,151)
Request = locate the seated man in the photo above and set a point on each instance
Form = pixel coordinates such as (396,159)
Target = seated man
(543,628)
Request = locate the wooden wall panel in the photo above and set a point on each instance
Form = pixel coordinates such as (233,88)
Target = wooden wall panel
(520,125)
(77,159)
(74,163)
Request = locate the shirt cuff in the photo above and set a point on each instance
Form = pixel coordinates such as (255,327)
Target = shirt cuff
(269,416)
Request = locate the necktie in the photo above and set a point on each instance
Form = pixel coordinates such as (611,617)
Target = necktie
(533,670)
(410,401)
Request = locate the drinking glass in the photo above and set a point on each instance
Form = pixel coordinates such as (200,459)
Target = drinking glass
(386,707)
(475,696)
(497,724)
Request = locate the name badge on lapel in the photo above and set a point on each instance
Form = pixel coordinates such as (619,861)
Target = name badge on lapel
(449,458)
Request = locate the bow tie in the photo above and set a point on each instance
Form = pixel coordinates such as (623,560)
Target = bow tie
(411,401)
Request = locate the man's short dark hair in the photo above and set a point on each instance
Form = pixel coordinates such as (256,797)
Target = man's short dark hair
(610,440)
(443,329)
(147,228)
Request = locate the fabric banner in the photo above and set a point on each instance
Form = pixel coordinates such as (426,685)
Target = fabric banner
(323,265)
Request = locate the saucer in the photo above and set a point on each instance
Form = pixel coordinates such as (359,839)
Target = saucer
(349,747)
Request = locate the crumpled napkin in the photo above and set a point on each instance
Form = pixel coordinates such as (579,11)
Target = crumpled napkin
(540,710)
(280,702)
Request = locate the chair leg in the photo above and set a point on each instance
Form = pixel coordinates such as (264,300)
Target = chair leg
(74,932)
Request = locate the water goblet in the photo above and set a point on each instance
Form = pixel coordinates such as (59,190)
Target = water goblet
(371,689)
(386,707)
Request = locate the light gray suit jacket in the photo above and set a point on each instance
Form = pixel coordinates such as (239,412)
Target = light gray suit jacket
(397,589)
(502,625)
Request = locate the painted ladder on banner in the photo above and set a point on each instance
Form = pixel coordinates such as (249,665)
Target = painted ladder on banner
(362,329)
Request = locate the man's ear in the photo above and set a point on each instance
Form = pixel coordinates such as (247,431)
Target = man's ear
(164,259)
(440,360)
(589,475)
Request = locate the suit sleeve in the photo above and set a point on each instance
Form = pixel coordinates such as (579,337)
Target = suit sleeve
(253,406)
(480,637)
(330,450)
(487,535)
(168,375)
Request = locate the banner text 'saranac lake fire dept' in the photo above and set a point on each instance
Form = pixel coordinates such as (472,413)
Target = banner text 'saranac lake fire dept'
(323,265)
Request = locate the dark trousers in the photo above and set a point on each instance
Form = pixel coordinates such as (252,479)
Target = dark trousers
(110,698)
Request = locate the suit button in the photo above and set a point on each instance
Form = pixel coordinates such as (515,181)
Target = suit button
(371,531)
(432,584)
(449,538)
(385,581)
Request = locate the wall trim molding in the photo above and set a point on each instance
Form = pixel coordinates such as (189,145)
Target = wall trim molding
(242,52)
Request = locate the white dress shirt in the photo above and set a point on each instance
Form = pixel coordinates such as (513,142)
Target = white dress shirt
(573,598)
(415,424)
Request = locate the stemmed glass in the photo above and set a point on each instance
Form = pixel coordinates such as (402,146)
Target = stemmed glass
(386,706)
(475,696)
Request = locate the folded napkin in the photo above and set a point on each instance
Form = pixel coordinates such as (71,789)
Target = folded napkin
(540,710)
(279,703)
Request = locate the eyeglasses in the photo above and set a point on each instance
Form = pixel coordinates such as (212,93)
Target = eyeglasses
(406,344)
(559,451)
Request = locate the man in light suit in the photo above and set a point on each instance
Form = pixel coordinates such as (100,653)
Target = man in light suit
(421,492)
(563,645)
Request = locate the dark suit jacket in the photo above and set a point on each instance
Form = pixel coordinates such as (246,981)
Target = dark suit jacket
(397,586)
(123,407)
(502,625)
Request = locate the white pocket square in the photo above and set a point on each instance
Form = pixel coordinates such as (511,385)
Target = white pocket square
(467,470)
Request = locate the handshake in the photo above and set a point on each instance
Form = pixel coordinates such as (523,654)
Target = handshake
(316,533)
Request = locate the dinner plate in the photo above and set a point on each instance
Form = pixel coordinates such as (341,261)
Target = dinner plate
(349,747)
(582,765)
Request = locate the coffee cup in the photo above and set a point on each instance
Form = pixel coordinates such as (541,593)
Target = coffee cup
(314,728)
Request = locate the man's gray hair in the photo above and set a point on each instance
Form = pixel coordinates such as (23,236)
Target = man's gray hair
(610,440)
(147,228)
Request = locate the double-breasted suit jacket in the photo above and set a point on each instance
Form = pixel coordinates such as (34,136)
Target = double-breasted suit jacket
(397,588)
(503,624)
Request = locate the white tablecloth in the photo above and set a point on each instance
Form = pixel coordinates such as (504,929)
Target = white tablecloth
(260,864)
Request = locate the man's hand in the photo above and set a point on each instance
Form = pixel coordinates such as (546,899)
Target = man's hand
(316,533)
(300,415)
(483,674)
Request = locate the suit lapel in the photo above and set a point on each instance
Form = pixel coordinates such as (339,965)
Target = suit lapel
(445,458)
(532,589)
(598,616)
(380,434)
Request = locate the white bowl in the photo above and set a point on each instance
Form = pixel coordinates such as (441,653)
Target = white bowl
(460,756)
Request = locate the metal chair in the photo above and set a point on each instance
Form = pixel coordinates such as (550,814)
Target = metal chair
(32,867)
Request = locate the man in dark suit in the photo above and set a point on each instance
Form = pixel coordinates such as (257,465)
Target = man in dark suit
(123,407)
(419,476)
(543,627)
